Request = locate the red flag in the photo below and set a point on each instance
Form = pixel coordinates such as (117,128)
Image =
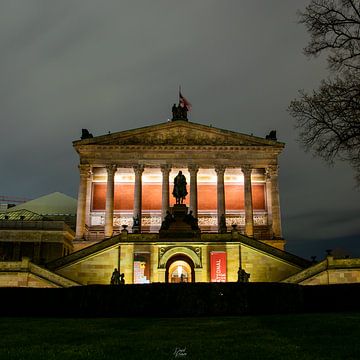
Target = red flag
(183,102)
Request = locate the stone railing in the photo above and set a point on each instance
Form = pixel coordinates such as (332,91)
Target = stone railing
(50,276)
(154,220)
(34,225)
(26,266)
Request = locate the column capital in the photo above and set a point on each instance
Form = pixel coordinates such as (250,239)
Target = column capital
(220,169)
(272,170)
(85,170)
(165,168)
(111,169)
(246,169)
(138,169)
(193,168)
(267,174)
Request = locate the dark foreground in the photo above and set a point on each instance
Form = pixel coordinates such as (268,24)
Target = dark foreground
(303,336)
(179,300)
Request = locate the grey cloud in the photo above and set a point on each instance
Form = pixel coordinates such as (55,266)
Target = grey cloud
(111,66)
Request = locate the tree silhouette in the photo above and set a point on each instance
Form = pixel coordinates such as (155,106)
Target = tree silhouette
(329,118)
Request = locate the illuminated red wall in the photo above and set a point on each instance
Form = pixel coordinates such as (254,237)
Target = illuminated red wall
(124,196)
(151,196)
(234,197)
(207,197)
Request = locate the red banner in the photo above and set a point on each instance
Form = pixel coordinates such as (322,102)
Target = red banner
(218,266)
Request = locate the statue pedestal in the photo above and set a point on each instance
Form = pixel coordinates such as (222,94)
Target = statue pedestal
(179,210)
(179,227)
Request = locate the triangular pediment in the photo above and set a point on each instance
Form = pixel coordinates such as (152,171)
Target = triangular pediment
(178,133)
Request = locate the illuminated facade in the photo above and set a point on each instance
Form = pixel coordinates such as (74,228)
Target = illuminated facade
(130,173)
(232,184)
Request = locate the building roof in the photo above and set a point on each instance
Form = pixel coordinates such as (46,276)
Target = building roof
(179,143)
(179,133)
(22,214)
(52,204)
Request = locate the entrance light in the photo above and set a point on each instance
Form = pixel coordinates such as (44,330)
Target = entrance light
(179,269)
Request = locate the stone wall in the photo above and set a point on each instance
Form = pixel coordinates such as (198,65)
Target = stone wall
(334,276)
(263,267)
(23,279)
(96,269)
(329,271)
(26,274)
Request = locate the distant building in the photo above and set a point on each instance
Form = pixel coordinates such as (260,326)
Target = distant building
(55,206)
(39,229)
(7,202)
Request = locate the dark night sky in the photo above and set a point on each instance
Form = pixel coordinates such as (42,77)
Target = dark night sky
(116,65)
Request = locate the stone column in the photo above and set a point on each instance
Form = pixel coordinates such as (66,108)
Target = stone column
(109,208)
(193,170)
(81,204)
(249,221)
(165,169)
(268,201)
(138,170)
(88,199)
(220,171)
(275,201)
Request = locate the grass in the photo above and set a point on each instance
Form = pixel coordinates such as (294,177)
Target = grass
(304,336)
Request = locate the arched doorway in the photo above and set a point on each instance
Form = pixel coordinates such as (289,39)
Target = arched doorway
(179,269)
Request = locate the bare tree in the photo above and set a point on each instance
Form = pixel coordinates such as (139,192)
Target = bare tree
(329,118)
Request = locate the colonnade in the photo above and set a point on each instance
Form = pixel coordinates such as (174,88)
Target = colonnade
(272,195)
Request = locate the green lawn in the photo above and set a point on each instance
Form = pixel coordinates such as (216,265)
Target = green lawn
(318,336)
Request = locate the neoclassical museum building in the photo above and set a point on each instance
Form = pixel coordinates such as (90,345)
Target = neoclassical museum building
(226,228)
(230,220)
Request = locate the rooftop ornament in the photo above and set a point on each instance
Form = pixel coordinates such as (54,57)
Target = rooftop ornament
(180,111)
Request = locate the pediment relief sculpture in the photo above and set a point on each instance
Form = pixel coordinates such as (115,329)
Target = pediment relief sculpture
(181,136)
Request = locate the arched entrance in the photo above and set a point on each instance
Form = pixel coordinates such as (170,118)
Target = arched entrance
(179,268)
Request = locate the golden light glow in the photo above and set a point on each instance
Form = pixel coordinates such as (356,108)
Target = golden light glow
(179,271)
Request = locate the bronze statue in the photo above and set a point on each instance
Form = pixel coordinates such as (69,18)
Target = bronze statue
(179,112)
(85,134)
(115,277)
(243,276)
(136,224)
(167,221)
(122,279)
(136,220)
(191,220)
(271,136)
(179,191)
